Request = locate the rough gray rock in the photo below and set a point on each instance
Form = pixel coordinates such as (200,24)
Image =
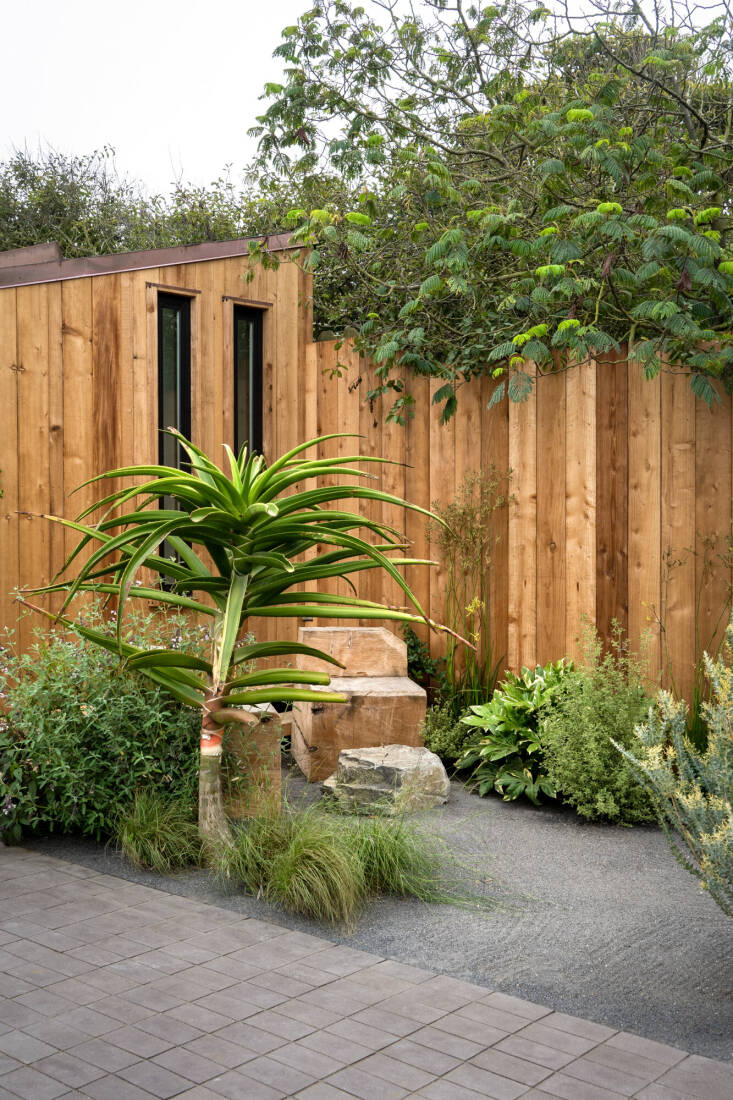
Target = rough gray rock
(391,778)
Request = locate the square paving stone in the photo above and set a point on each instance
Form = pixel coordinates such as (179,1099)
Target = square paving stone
(90,1022)
(28,1082)
(399,1026)
(250,1038)
(175,1031)
(333,1046)
(199,1017)
(596,1073)
(701,1077)
(138,1042)
(366,1086)
(112,1087)
(283,1026)
(155,1079)
(235,1086)
(396,1072)
(187,1064)
(312,1062)
(370,1037)
(560,1040)
(535,1052)
(322,1091)
(517,1006)
(122,1010)
(423,1057)
(585,1028)
(570,1088)
(24,1048)
(277,1075)
(221,1051)
(507,1065)
(486,1083)
(647,1048)
(438,1040)
(104,1055)
(66,1067)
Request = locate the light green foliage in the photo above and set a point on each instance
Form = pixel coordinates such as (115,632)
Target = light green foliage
(508,755)
(691,789)
(602,700)
(465,131)
(443,732)
(159,833)
(81,733)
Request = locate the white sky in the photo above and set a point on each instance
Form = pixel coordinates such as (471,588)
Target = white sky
(172,85)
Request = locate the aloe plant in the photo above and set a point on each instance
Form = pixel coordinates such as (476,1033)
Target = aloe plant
(231,547)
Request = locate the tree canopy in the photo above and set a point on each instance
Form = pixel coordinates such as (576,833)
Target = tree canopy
(525,184)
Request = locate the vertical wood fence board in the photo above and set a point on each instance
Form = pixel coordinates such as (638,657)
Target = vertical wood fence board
(9,520)
(106,378)
(33,449)
(78,381)
(551,595)
(522,603)
(495,452)
(678,521)
(713,491)
(612,460)
(393,482)
(417,491)
(645,514)
(56,501)
(144,373)
(580,501)
(370,445)
(442,493)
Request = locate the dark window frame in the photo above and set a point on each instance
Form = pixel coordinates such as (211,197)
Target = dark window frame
(254,316)
(182,305)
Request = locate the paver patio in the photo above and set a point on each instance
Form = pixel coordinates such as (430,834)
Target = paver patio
(110,989)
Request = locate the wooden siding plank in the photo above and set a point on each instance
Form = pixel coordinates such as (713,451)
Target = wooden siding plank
(495,453)
(393,482)
(645,514)
(106,307)
(145,369)
(612,453)
(78,383)
(370,429)
(442,494)
(417,491)
(522,600)
(713,491)
(9,520)
(57,504)
(33,446)
(551,576)
(678,523)
(580,501)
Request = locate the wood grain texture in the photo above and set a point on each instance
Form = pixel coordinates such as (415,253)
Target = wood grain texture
(713,492)
(580,501)
(645,514)
(442,494)
(522,569)
(678,522)
(495,455)
(551,465)
(612,467)
(9,519)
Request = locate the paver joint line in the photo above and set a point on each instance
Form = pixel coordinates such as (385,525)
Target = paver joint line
(114,992)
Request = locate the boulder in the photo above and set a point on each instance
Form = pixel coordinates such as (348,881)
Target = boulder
(389,779)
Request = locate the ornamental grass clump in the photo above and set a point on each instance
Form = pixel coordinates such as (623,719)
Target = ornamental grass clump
(690,789)
(159,833)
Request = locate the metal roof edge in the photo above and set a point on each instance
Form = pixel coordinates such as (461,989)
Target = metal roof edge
(118,262)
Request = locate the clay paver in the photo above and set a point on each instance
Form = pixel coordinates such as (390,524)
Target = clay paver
(114,990)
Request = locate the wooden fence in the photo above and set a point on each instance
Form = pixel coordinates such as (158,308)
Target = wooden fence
(615,479)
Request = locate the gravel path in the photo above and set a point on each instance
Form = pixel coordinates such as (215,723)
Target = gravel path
(594,921)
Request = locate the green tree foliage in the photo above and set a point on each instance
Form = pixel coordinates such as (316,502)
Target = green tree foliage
(526,182)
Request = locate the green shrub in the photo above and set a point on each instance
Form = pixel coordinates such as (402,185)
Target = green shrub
(443,732)
(159,833)
(81,735)
(604,699)
(690,789)
(508,756)
(299,861)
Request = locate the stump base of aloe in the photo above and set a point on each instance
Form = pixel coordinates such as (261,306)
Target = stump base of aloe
(213,824)
(254,772)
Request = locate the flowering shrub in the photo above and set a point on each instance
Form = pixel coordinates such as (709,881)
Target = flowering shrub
(81,734)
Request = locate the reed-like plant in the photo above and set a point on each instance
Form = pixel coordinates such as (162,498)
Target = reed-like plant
(232,546)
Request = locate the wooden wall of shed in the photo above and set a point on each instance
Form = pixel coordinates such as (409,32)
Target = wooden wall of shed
(78,392)
(612,477)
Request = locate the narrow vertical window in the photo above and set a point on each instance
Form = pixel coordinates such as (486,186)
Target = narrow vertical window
(247,379)
(174,374)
